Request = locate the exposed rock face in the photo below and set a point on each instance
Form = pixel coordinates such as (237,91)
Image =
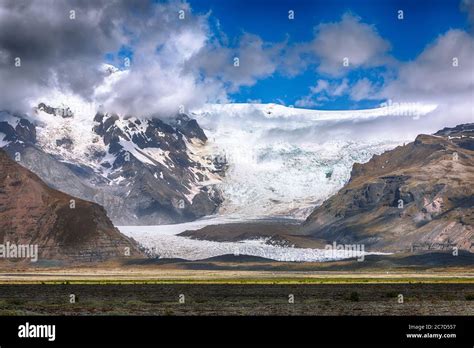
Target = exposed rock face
(415,197)
(62,226)
(63,112)
(142,171)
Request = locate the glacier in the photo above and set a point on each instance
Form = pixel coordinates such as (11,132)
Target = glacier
(283,162)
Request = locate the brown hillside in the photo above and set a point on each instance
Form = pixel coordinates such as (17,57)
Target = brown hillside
(33,213)
(432,179)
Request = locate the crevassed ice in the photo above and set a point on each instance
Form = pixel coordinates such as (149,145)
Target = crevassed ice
(285,161)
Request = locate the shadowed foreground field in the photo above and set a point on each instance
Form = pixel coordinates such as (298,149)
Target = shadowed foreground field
(431,284)
(237,299)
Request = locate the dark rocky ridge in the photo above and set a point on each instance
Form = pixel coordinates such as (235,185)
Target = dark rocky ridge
(63,227)
(151,200)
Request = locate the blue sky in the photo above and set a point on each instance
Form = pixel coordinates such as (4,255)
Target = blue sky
(423,22)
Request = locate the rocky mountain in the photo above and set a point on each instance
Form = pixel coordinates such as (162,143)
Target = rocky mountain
(419,196)
(63,227)
(143,171)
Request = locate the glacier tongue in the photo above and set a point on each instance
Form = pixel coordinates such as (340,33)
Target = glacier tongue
(163,242)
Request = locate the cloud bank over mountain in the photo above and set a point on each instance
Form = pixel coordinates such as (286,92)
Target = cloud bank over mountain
(170,57)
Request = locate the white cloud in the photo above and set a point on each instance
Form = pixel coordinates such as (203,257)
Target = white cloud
(324,90)
(321,85)
(362,89)
(349,38)
(157,82)
(308,101)
(433,76)
(339,89)
(256,60)
(175,62)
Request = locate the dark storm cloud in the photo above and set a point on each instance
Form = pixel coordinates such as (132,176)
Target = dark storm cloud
(56,50)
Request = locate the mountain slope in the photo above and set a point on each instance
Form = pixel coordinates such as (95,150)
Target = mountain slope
(419,196)
(142,171)
(62,226)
